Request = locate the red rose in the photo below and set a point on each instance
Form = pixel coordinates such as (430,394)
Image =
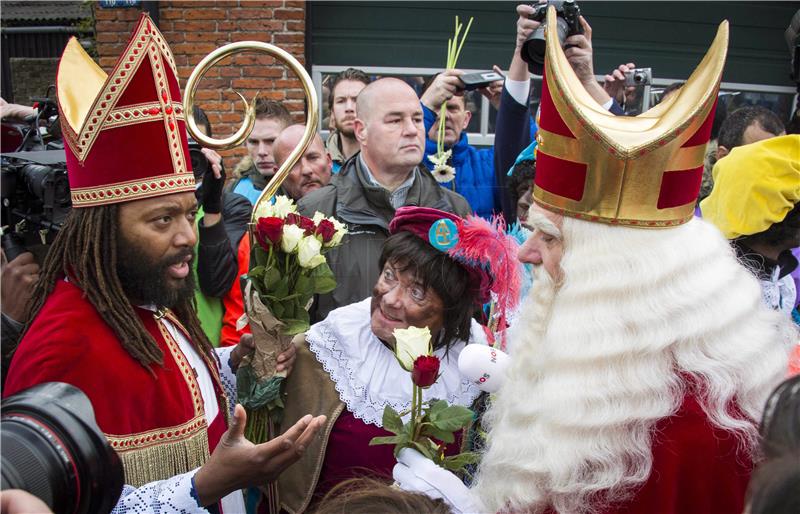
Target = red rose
(425,371)
(326,229)
(301,221)
(269,231)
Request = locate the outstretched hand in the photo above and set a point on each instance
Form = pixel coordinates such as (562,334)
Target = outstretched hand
(238,463)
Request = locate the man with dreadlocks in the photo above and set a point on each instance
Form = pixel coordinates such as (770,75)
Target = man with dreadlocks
(113,312)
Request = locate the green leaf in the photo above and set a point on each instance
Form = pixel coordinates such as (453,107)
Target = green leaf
(304,285)
(281,288)
(256,273)
(442,435)
(391,420)
(323,279)
(294,326)
(457,462)
(271,278)
(277,309)
(394,439)
(452,418)
(261,257)
(436,408)
(427,448)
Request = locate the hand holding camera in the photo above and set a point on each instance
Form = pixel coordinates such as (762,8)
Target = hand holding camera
(569,22)
(614,82)
(445,86)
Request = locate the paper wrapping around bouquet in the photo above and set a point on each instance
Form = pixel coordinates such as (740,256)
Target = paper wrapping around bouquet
(267,334)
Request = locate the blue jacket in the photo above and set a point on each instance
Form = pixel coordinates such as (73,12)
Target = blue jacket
(475,179)
(246,188)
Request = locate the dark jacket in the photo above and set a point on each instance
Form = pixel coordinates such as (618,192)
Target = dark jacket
(216,253)
(367,211)
(512,135)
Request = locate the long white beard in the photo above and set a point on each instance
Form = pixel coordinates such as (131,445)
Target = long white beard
(592,372)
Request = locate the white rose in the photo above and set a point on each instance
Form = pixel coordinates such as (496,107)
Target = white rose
(292,234)
(410,343)
(283,206)
(341,230)
(318,216)
(308,252)
(265,210)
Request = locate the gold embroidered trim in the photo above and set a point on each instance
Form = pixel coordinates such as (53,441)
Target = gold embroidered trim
(140,113)
(147,42)
(165,459)
(184,367)
(222,398)
(151,186)
(158,436)
(170,122)
(539,193)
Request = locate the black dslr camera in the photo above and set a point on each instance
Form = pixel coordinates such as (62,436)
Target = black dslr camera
(53,449)
(200,164)
(568,24)
(35,200)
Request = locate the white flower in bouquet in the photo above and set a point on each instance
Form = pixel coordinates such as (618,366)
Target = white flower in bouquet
(278,208)
(283,206)
(341,231)
(309,252)
(292,234)
(410,343)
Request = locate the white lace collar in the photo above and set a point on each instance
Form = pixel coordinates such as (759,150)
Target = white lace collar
(366,374)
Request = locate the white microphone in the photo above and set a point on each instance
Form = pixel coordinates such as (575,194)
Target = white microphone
(484,366)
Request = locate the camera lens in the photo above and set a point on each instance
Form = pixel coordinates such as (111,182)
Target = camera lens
(639,78)
(52,448)
(533,50)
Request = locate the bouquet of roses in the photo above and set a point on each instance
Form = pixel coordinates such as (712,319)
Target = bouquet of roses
(431,424)
(287,268)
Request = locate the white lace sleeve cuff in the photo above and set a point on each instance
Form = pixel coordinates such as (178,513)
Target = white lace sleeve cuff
(226,374)
(171,496)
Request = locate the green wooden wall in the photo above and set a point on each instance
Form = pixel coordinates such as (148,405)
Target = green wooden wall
(670,37)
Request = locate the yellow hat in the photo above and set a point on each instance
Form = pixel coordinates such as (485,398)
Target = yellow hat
(755,186)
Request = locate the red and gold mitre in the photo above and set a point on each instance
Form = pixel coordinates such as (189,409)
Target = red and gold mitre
(640,171)
(125,133)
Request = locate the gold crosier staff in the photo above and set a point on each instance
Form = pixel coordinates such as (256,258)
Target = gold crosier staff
(241,135)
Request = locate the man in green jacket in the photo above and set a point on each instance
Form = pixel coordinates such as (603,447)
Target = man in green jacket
(383,176)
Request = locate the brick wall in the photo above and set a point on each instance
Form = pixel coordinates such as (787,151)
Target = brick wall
(193,29)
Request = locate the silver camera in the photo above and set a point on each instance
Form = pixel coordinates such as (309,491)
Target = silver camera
(639,77)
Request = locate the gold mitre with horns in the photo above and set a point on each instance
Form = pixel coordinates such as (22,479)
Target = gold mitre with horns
(641,171)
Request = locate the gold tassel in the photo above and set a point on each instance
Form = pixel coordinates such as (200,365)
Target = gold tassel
(166,460)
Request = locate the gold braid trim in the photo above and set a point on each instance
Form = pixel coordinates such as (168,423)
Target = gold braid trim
(161,461)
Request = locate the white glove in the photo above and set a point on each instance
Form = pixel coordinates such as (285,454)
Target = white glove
(416,473)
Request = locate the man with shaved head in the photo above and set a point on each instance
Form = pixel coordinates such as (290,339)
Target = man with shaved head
(383,176)
(312,171)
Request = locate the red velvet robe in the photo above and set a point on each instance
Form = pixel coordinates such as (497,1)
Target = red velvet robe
(697,469)
(156,422)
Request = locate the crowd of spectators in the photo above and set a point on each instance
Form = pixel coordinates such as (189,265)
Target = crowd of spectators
(376,162)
